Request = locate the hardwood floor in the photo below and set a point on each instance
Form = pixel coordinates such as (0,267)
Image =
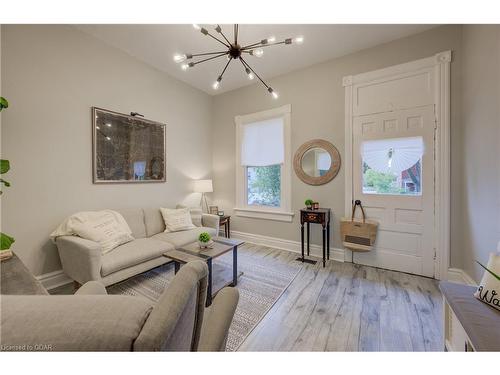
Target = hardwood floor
(347,307)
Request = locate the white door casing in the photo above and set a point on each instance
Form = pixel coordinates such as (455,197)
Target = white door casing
(405,100)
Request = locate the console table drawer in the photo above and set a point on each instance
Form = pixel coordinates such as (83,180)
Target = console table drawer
(313,217)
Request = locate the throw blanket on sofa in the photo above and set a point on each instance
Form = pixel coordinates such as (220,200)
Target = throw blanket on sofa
(106,227)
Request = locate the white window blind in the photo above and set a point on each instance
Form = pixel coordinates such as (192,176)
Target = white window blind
(393,155)
(262,143)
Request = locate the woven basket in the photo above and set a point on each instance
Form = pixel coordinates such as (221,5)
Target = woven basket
(358,235)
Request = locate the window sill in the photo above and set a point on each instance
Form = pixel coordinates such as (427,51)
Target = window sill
(264,214)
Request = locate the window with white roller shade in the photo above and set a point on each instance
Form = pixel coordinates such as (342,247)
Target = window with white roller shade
(263,165)
(263,143)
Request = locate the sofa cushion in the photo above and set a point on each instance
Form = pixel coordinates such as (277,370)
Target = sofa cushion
(196,214)
(72,323)
(132,253)
(135,220)
(176,219)
(154,221)
(179,239)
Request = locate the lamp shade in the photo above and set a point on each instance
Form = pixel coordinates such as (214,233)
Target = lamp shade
(203,186)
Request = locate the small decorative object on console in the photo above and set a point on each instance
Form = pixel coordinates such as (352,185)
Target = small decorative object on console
(309,203)
(315,205)
(205,241)
(220,213)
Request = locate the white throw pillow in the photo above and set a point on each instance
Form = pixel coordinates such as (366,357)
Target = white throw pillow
(196,214)
(176,219)
(488,290)
(107,227)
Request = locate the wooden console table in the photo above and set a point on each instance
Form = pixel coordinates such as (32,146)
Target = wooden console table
(319,216)
(226,222)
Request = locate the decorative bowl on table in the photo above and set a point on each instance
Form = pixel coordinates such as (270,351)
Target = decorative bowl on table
(206,245)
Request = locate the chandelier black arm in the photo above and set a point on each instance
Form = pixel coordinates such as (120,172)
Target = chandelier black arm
(253,71)
(224,70)
(208,53)
(260,45)
(221,33)
(252,45)
(217,39)
(210,58)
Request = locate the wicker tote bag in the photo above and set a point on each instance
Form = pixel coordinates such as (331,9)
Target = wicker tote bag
(358,235)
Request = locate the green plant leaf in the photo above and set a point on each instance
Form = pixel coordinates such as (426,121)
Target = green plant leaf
(3,103)
(6,241)
(204,237)
(491,272)
(4,166)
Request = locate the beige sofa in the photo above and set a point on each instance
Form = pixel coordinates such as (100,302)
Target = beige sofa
(82,260)
(94,321)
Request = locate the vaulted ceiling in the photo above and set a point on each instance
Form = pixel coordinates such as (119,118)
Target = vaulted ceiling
(157,44)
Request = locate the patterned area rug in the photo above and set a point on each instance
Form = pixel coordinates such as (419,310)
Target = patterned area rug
(263,281)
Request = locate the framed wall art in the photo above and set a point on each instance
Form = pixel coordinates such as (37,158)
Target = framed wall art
(127,149)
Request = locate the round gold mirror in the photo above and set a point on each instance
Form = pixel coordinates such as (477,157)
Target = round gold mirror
(316,162)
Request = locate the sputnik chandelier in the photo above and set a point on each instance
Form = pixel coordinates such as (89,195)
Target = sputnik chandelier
(233,51)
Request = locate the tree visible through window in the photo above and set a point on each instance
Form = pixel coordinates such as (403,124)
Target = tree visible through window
(393,166)
(264,186)
(407,182)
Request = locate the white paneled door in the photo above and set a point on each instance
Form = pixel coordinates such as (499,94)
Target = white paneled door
(393,176)
(397,162)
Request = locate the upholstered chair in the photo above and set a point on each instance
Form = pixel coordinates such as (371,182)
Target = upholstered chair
(91,320)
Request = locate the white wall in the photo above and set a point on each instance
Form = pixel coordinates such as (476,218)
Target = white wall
(52,76)
(316,95)
(480,156)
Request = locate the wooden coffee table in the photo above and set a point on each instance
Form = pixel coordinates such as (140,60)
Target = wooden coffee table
(193,252)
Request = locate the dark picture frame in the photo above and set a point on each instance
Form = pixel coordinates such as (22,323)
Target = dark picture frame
(127,149)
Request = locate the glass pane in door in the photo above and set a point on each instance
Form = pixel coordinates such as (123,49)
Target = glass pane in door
(392,166)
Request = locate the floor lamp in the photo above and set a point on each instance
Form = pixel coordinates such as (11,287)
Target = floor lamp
(203,186)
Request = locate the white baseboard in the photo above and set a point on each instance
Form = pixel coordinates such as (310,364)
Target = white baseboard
(53,279)
(289,245)
(458,275)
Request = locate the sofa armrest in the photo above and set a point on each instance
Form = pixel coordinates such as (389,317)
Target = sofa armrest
(218,318)
(80,258)
(92,288)
(210,221)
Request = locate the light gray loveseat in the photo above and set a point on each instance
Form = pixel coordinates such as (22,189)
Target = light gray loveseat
(82,260)
(94,321)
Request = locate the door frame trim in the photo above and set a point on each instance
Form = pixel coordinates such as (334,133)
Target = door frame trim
(440,64)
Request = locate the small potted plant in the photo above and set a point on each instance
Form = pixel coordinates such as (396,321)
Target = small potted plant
(204,240)
(309,203)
